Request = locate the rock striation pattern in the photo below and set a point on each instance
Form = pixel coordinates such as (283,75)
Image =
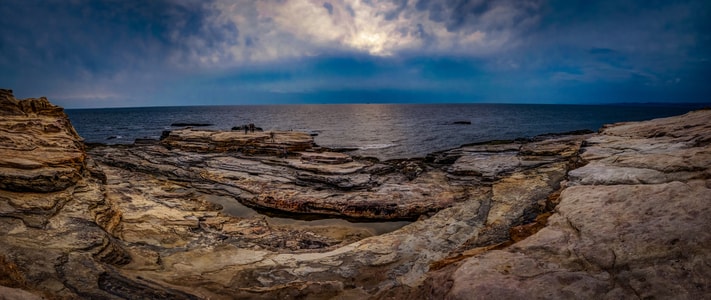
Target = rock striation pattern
(621,213)
(203,141)
(40,150)
(632,223)
(459,205)
(53,213)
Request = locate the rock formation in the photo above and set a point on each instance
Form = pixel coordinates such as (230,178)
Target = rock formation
(53,214)
(632,223)
(41,151)
(622,213)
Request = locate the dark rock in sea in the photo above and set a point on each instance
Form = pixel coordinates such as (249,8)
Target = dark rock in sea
(179,124)
(113,137)
(241,128)
(164,134)
(462,122)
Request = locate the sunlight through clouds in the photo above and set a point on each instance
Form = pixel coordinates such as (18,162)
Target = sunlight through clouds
(271,29)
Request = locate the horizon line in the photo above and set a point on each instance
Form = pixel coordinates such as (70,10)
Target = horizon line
(700,104)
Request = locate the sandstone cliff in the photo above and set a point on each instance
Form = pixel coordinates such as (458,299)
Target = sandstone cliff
(622,213)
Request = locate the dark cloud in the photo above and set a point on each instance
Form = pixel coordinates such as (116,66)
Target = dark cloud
(130,52)
(602,51)
(63,48)
(100,34)
(328,7)
(629,43)
(401,5)
(479,15)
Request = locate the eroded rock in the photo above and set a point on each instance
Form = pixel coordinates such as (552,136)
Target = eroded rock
(456,211)
(39,149)
(632,224)
(150,221)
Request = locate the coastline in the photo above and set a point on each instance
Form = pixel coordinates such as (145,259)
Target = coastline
(588,215)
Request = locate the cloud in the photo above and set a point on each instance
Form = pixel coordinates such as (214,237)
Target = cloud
(137,53)
(297,28)
(70,49)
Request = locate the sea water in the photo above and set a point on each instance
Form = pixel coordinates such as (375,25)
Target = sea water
(385,131)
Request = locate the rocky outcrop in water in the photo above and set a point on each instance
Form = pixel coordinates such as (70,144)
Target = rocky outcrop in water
(203,141)
(617,214)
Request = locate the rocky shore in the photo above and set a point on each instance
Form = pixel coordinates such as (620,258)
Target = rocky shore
(622,213)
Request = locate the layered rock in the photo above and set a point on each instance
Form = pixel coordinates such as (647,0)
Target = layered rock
(315,181)
(52,211)
(457,210)
(39,149)
(273,143)
(151,221)
(632,223)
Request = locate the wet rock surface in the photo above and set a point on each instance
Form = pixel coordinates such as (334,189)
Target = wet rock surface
(150,220)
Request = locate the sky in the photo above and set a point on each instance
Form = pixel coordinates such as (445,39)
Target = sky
(128,53)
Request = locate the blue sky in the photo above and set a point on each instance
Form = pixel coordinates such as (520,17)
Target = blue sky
(83,53)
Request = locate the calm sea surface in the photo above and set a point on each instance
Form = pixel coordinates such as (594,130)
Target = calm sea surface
(381,130)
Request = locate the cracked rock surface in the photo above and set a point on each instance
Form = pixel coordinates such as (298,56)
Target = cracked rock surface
(171,220)
(632,223)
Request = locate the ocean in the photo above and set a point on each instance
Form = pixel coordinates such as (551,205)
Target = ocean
(385,131)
